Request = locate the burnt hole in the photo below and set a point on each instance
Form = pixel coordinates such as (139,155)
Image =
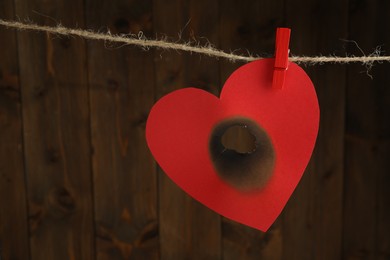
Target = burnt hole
(242,153)
(122,26)
(239,139)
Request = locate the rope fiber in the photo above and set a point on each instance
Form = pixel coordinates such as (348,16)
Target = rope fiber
(141,41)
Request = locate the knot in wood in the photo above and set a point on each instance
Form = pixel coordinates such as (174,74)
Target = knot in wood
(61,202)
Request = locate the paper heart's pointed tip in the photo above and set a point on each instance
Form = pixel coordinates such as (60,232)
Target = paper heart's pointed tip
(262,228)
(181,134)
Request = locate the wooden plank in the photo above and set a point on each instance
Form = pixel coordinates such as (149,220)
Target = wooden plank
(367,210)
(122,93)
(56,133)
(312,220)
(249,26)
(188,230)
(13,210)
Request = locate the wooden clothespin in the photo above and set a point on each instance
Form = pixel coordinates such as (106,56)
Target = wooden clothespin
(281,57)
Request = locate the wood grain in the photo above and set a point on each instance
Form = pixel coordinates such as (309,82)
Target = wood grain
(122,92)
(367,204)
(188,230)
(13,210)
(248,26)
(77,180)
(54,90)
(312,220)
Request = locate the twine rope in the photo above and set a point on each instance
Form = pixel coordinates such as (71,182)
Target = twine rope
(141,41)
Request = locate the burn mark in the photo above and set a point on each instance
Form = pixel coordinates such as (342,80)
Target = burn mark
(248,171)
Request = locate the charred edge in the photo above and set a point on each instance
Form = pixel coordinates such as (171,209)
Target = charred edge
(244,171)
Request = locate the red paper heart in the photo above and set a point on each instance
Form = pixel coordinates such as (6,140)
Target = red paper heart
(181,124)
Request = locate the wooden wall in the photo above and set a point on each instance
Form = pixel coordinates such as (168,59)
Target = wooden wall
(77,180)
